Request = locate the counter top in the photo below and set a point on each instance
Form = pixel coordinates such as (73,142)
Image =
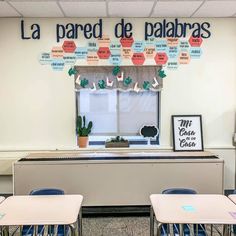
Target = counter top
(116,155)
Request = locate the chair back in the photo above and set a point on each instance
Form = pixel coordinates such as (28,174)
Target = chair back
(47,191)
(179,191)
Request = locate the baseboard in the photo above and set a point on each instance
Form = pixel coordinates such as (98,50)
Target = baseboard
(228,191)
(115,211)
(6,194)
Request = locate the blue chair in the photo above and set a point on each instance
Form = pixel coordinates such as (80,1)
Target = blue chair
(29,230)
(179,191)
(186,230)
(47,191)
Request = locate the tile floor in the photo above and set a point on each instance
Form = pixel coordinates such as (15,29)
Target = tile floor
(116,226)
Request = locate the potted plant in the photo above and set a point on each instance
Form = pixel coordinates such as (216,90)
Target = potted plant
(82,131)
(117,142)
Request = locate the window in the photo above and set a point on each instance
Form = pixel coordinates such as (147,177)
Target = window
(118,109)
(115,112)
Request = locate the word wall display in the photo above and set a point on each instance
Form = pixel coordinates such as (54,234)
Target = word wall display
(166,52)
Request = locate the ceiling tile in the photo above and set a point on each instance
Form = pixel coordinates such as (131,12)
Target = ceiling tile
(175,8)
(37,8)
(84,9)
(7,11)
(130,8)
(217,9)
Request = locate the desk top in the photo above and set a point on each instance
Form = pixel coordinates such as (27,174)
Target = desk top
(232,197)
(40,210)
(1,199)
(193,208)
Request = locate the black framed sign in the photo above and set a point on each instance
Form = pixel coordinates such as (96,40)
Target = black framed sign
(187,132)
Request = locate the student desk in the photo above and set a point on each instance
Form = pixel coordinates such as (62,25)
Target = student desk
(1,199)
(191,209)
(232,197)
(42,210)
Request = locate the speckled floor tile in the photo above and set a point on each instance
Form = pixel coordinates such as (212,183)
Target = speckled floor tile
(116,226)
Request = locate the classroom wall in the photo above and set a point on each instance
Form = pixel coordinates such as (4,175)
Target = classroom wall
(37,104)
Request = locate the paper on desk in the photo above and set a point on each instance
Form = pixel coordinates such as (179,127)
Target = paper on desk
(233,214)
(188,208)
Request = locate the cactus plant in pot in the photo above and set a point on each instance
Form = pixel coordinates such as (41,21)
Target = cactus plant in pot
(83,131)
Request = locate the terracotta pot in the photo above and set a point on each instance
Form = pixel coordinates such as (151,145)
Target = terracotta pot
(82,141)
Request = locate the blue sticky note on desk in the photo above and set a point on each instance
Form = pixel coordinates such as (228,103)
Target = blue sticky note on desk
(233,214)
(188,208)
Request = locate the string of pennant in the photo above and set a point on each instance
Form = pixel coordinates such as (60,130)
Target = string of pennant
(119,75)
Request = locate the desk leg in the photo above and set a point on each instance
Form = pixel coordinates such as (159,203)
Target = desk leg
(181,229)
(151,222)
(80,222)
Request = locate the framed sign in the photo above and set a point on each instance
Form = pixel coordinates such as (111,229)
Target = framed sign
(187,132)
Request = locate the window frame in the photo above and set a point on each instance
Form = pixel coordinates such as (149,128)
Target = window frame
(132,141)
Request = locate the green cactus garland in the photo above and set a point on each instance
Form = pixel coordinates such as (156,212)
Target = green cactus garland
(84,82)
(146,85)
(101,84)
(161,73)
(116,70)
(72,71)
(127,81)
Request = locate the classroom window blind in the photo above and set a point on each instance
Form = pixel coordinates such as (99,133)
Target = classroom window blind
(115,112)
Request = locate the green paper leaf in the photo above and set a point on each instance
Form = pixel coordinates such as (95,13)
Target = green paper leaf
(162,74)
(116,70)
(72,71)
(101,84)
(146,85)
(84,82)
(127,81)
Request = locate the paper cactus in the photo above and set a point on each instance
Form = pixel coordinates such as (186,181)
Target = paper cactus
(72,71)
(116,70)
(101,84)
(161,73)
(146,85)
(127,81)
(84,82)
